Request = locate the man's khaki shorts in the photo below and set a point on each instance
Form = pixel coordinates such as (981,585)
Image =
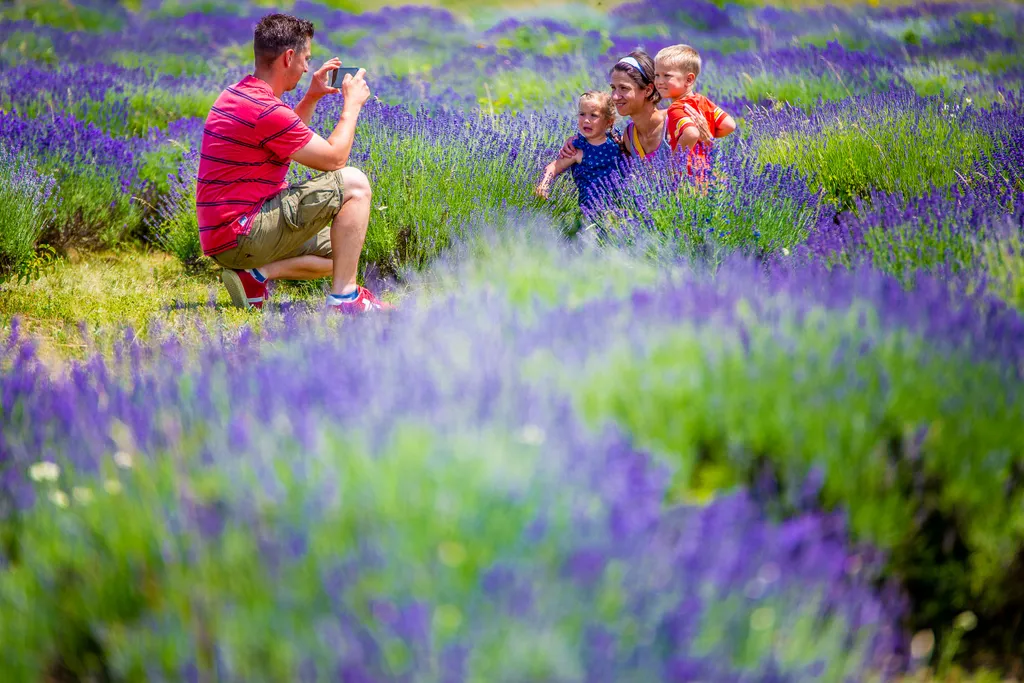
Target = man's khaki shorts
(294,222)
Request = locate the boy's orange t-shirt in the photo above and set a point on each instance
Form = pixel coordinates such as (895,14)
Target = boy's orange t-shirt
(678,120)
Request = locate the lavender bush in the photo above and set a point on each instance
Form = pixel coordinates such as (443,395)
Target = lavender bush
(25,207)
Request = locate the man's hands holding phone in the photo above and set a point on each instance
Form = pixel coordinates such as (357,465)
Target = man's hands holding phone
(351,79)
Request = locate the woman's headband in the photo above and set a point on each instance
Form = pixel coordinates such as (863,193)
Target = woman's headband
(636,65)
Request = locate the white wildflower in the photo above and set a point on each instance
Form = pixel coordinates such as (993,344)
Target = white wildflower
(532,435)
(44,471)
(82,495)
(123,460)
(112,486)
(59,498)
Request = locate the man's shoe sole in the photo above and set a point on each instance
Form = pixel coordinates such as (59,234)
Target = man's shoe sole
(233,283)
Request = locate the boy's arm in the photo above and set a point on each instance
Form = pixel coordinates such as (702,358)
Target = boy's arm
(555,169)
(724,124)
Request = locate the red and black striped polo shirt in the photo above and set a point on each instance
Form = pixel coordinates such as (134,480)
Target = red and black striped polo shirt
(248,141)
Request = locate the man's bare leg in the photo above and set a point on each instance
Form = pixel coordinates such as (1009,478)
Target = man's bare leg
(308,267)
(348,232)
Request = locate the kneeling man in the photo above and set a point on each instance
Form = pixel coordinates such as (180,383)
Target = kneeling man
(251,221)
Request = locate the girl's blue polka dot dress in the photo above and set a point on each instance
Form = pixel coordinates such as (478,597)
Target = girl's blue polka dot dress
(599,162)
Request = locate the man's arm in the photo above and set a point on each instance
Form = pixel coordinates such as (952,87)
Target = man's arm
(332,153)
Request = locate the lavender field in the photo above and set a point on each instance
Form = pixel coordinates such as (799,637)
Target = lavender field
(762,428)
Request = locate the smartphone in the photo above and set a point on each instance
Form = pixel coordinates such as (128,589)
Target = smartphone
(338,75)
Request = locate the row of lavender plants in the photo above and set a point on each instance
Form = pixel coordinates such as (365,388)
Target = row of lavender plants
(135,87)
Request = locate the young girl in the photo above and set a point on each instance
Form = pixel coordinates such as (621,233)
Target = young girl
(597,156)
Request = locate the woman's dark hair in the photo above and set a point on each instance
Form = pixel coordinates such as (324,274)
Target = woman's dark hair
(278,33)
(644,76)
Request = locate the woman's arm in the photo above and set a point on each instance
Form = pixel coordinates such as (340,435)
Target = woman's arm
(555,169)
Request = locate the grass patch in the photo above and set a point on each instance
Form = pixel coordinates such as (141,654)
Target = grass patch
(107,292)
(882,149)
(526,89)
(804,91)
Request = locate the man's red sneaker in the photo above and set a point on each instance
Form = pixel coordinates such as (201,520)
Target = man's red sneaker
(245,290)
(364,302)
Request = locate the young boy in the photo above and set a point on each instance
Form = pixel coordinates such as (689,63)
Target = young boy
(675,71)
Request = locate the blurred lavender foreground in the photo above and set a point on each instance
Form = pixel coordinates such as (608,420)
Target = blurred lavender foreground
(412,499)
(766,429)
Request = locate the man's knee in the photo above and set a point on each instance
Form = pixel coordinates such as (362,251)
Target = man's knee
(356,184)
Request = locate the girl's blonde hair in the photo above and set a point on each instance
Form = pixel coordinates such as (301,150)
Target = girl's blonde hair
(603,101)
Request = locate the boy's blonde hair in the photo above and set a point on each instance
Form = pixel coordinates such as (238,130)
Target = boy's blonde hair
(603,100)
(682,57)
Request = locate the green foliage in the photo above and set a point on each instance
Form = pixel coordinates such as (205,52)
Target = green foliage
(105,553)
(179,8)
(347,38)
(889,151)
(1002,259)
(22,47)
(821,40)
(163,63)
(127,112)
(425,193)
(530,40)
(25,211)
(525,90)
(801,91)
(178,235)
(94,210)
(906,249)
(66,16)
(875,419)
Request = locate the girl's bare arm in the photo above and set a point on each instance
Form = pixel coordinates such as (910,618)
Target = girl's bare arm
(555,169)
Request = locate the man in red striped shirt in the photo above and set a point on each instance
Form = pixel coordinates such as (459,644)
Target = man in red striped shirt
(251,221)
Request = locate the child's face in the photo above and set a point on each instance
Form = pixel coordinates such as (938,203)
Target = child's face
(670,80)
(592,122)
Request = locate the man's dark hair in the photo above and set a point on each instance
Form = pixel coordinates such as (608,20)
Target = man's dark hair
(278,33)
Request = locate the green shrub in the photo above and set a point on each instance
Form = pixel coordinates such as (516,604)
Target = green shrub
(26,206)
(879,148)
(427,191)
(22,47)
(93,210)
(801,91)
(178,235)
(526,89)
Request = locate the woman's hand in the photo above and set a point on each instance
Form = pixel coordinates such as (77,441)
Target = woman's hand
(567,151)
(318,86)
(703,130)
